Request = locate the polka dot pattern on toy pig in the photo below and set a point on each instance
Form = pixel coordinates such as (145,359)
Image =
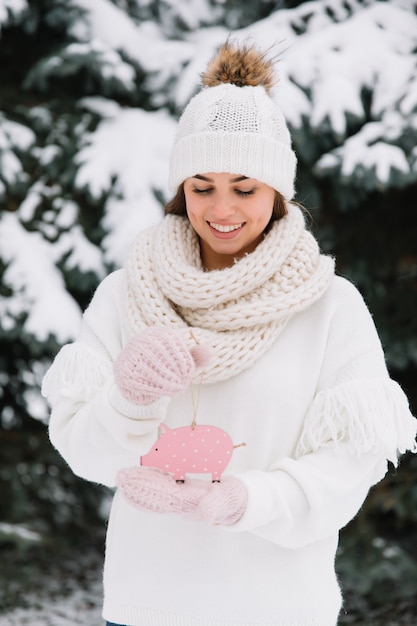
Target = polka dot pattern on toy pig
(186,450)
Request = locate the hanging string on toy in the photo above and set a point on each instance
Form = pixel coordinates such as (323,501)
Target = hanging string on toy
(195,401)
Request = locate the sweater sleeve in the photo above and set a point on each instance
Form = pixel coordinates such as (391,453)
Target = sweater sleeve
(92,426)
(358,420)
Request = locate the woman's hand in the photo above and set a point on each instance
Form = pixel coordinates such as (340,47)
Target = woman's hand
(156,363)
(151,490)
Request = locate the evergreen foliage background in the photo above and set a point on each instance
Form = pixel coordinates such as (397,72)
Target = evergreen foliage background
(89,94)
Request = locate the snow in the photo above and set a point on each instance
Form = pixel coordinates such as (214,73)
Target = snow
(47,154)
(67,214)
(335,62)
(102,106)
(80,252)
(143,43)
(135,166)
(204,43)
(11,8)
(80,608)
(33,199)
(20,532)
(111,63)
(13,136)
(380,156)
(409,103)
(11,167)
(191,13)
(369,152)
(38,287)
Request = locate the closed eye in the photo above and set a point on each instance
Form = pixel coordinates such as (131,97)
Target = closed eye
(240,192)
(202,191)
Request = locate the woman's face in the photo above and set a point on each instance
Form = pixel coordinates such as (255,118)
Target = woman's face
(229,213)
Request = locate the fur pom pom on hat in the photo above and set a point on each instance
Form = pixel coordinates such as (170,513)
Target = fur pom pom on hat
(233,125)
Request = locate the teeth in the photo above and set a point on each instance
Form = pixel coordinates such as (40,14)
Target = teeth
(223,228)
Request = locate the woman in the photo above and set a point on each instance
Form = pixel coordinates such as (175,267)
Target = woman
(227,316)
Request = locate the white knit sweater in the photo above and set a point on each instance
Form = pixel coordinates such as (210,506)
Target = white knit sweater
(319,416)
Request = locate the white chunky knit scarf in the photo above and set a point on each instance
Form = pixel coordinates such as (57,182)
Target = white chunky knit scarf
(237,311)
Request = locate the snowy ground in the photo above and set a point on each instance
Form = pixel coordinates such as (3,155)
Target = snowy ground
(82,607)
(52,587)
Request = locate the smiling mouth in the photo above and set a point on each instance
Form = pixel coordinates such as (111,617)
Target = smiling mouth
(225,228)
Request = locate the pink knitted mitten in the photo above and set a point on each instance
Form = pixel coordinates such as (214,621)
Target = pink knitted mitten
(224,503)
(150,489)
(155,363)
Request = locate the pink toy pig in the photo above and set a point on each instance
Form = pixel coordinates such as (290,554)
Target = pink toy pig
(190,450)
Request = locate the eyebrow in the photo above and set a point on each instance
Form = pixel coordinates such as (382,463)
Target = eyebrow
(210,180)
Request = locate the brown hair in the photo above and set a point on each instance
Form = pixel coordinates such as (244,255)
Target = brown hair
(177,206)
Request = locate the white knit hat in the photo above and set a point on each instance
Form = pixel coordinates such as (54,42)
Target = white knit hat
(235,128)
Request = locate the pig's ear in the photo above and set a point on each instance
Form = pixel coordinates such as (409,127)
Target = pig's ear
(162,430)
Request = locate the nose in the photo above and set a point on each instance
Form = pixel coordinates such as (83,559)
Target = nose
(222,206)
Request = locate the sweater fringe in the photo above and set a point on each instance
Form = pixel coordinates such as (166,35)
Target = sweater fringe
(76,372)
(368,415)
